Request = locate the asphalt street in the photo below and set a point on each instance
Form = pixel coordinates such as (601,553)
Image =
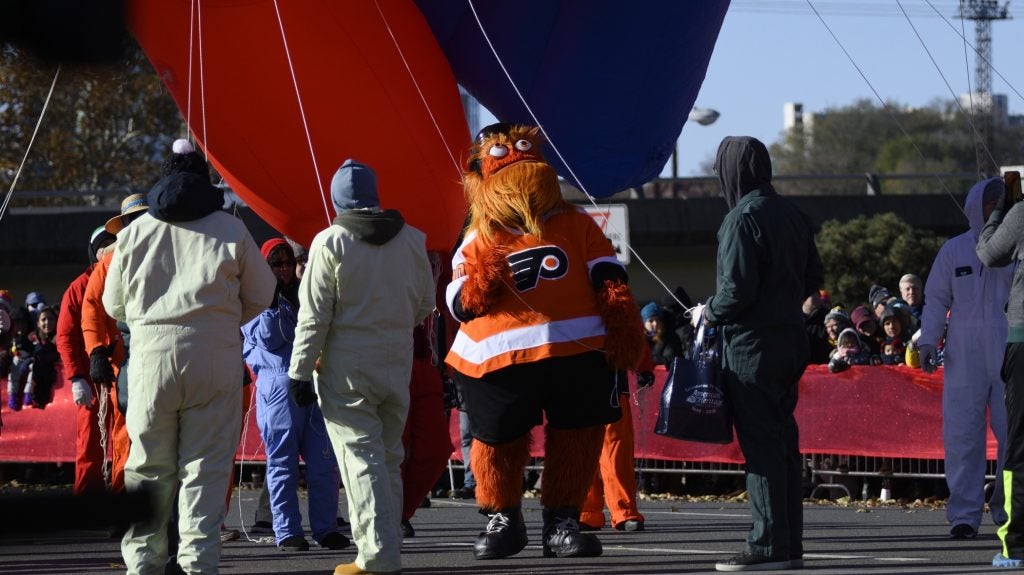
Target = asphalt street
(679,538)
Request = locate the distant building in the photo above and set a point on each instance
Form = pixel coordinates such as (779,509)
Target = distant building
(978,101)
(792,115)
(472,109)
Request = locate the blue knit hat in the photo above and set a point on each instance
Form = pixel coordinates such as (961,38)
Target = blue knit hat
(354,187)
(650,310)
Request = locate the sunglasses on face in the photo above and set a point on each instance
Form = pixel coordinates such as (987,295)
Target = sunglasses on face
(281,263)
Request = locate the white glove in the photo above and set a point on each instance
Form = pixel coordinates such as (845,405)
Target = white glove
(81,391)
(927,354)
(695,314)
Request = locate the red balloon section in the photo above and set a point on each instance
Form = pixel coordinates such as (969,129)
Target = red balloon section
(373,84)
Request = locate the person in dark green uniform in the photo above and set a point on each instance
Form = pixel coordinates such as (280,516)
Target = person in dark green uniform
(767,266)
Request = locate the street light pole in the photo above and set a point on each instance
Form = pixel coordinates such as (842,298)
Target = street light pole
(704,117)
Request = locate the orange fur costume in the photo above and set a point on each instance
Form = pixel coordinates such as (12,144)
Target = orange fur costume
(518,215)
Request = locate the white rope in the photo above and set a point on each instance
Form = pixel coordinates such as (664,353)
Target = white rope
(964,37)
(558,153)
(970,115)
(885,106)
(426,105)
(241,467)
(21,166)
(202,77)
(967,74)
(302,112)
(106,427)
(191,48)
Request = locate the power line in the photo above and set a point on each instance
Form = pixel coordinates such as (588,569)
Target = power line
(863,8)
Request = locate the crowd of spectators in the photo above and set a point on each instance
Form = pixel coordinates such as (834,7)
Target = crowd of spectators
(28,354)
(882,331)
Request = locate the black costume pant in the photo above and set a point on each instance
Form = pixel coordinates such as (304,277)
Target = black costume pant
(763,411)
(1012,532)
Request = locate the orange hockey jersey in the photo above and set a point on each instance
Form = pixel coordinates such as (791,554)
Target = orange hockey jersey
(550,311)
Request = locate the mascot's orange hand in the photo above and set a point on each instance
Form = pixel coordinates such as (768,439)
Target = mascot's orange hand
(484,285)
(624,341)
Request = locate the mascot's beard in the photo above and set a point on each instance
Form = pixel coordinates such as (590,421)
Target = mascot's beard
(516,197)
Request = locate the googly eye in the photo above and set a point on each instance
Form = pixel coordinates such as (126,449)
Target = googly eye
(523,145)
(498,151)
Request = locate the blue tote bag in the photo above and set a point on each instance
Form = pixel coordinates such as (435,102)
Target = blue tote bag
(694,406)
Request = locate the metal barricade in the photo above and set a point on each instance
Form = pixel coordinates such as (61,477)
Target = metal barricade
(825,471)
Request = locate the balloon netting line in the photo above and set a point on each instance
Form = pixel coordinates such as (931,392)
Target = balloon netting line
(558,153)
(885,106)
(976,52)
(195,38)
(979,140)
(35,131)
(241,466)
(302,113)
(426,105)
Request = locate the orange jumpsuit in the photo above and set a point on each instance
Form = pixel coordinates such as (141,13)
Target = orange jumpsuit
(615,482)
(98,328)
(88,451)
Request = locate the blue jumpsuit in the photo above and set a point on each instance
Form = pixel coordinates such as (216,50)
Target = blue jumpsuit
(975,298)
(289,430)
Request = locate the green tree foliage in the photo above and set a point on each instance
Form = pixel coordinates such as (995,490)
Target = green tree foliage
(108,127)
(865,137)
(872,250)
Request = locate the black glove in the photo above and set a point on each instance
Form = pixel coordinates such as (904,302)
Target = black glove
(301,392)
(644,380)
(100,370)
(450,394)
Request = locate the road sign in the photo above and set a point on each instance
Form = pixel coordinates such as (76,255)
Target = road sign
(613,219)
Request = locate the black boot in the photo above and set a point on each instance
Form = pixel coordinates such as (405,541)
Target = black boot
(562,537)
(504,536)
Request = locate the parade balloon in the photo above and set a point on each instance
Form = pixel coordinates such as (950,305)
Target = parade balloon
(611,82)
(373,86)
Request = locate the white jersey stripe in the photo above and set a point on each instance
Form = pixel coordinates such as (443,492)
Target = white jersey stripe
(526,337)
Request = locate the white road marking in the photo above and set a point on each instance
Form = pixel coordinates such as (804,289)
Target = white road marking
(680,551)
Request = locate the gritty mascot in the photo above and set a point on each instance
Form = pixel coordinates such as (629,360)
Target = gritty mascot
(547,319)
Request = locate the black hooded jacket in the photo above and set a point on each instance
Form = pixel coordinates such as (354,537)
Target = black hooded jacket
(184,197)
(767,265)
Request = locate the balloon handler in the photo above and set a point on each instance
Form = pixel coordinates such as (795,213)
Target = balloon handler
(547,320)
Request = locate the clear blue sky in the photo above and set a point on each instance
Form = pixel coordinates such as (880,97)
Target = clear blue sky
(770,52)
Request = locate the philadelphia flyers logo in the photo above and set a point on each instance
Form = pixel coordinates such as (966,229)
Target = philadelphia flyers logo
(529,266)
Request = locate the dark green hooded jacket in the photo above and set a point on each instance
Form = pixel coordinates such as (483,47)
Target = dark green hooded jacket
(767,266)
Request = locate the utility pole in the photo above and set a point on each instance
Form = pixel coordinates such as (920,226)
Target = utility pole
(983,12)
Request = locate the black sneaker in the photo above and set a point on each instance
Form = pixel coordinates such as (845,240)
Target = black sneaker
(464,493)
(262,528)
(962,531)
(293,543)
(334,541)
(562,536)
(631,525)
(504,536)
(750,562)
(407,531)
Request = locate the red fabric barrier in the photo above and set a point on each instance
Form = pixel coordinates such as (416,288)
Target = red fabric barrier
(885,411)
(48,435)
(873,411)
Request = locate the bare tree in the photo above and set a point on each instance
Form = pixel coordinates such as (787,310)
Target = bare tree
(108,127)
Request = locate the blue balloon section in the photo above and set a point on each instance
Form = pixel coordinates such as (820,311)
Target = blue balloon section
(611,82)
